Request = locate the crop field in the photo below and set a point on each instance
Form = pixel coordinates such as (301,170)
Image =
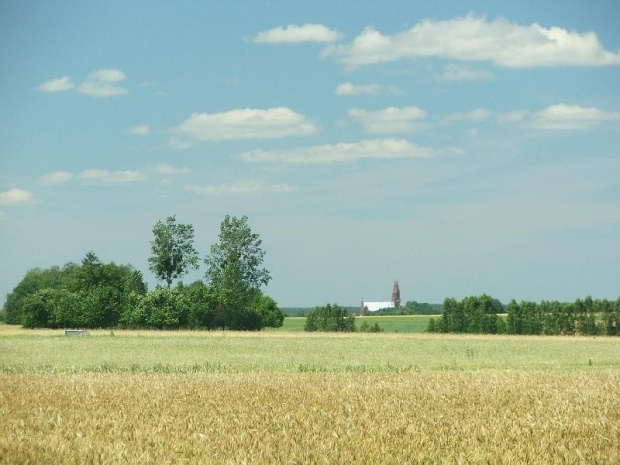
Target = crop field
(271,397)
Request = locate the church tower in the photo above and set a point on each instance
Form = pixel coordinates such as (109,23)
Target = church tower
(396,295)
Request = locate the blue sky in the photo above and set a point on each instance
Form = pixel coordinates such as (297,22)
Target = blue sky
(459,147)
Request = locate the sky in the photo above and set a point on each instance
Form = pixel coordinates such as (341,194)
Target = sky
(459,147)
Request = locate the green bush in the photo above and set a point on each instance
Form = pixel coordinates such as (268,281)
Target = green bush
(368,328)
(163,309)
(330,318)
(268,309)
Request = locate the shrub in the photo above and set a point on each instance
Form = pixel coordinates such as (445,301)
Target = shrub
(368,328)
(330,318)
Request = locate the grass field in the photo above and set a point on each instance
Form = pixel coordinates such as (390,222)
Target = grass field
(390,324)
(286,397)
(168,351)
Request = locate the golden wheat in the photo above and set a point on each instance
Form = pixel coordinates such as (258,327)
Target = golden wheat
(451,417)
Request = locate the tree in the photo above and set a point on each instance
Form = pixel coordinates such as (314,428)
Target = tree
(35,280)
(268,309)
(173,252)
(329,318)
(234,269)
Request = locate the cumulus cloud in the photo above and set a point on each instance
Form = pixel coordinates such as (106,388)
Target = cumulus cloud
(248,123)
(389,120)
(56,178)
(457,73)
(109,76)
(476,116)
(295,34)
(472,38)
(165,169)
(512,117)
(346,88)
(104,83)
(342,152)
(56,85)
(247,188)
(566,117)
(107,177)
(139,130)
(16,197)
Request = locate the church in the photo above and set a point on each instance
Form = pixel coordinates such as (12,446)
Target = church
(367,307)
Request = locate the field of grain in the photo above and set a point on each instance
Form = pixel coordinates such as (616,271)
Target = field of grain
(201,397)
(229,352)
(534,417)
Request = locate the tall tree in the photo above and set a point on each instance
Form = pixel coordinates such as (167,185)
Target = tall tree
(234,269)
(173,252)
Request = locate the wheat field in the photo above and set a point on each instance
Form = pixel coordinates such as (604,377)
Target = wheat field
(433,417)
(152,397)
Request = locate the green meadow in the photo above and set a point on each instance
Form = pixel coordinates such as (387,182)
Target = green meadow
(185,351)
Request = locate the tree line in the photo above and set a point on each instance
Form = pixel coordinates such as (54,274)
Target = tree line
(411,308)
(479,315)
(98,295)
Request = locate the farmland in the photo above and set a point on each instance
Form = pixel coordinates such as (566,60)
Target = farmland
(286,397)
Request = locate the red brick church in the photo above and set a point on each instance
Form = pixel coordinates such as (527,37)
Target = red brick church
(367,307)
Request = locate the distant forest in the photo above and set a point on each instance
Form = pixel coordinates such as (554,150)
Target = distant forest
(479,315)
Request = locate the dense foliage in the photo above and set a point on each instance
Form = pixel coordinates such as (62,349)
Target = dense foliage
(235,276)
(587,317)
(330,318)
(411,308)
(479,315)
(476,314)
(89,295)
(173,252)
(98,295)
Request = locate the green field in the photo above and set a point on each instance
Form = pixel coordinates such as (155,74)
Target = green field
(168,351)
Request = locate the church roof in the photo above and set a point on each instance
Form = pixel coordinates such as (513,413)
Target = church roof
(374,306)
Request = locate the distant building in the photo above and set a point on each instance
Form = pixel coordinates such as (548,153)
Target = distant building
(367,307)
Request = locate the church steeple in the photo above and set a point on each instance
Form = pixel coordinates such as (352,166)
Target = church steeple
(396,294)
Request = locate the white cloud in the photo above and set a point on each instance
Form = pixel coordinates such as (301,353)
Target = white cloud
(16,197)
(56,85)
(342,152)
(139,130)
(107,177)
(57,178)
(457,73)
(101,89)
(512,117)
(473,38)
(109,76)
(103,83)
(389,120)
(562,116)
(179,144)
(245,123)
(247,188)
(347,88)
(477,115)
(295,34)
(163,168)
